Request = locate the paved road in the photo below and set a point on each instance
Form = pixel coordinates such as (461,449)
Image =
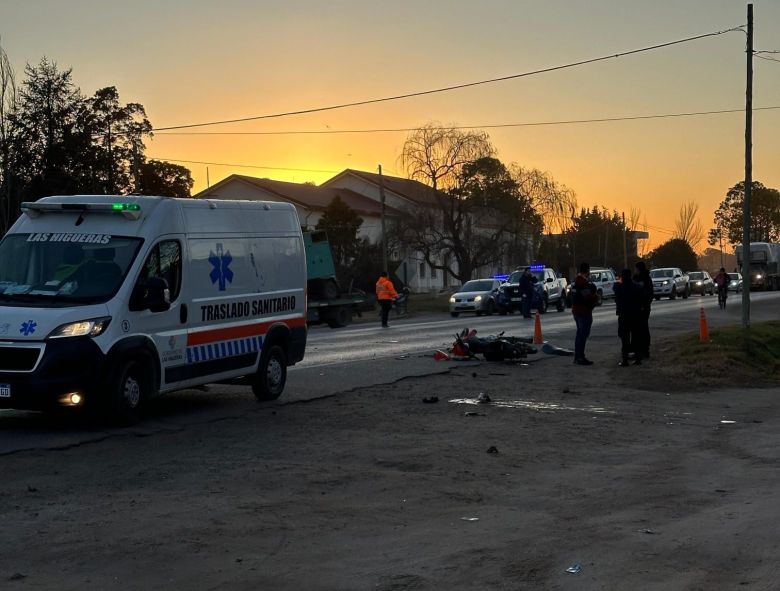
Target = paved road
(415,336)
(364,355)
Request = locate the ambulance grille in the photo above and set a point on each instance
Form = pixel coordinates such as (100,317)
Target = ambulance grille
(18,358)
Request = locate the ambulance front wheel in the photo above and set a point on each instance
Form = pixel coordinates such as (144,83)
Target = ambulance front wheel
(268,383)
(129,388)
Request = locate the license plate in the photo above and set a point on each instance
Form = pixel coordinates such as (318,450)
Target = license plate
(5,390)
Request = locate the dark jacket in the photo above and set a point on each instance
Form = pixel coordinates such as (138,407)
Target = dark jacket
(646,283)
(629,298)
(527,284)
(583,297)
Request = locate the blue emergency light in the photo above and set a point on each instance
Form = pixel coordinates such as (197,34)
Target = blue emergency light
(501,277)
(537,267)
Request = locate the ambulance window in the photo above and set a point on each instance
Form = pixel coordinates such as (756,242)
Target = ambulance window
(165,262)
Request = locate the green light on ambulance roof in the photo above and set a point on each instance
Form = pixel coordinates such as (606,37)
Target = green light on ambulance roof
(126,207)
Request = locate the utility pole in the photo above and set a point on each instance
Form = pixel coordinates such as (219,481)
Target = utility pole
(208,184)
(720,240)
(384,232)
(748,173)
(606,243)
(625,247)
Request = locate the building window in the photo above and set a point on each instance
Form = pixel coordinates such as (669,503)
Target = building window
(422,270)
(433,272)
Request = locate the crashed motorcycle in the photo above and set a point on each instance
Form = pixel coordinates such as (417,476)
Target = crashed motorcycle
(494,347)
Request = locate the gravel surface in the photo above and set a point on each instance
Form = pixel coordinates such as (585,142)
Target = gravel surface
(374,489)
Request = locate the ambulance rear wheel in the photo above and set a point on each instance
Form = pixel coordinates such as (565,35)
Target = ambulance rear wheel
(129,388)
(271,376)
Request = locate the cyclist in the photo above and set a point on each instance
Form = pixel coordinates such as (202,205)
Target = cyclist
(722,281)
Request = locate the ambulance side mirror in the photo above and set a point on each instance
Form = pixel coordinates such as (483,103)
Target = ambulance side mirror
(158,296)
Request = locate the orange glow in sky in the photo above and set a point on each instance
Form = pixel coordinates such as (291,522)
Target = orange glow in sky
(199,61)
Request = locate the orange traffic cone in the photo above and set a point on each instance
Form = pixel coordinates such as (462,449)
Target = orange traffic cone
(538,330)
(704,331)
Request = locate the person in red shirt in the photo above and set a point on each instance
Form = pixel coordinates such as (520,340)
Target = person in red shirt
(583,298)
(385,294)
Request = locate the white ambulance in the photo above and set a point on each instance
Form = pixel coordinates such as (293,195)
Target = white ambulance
(108,301)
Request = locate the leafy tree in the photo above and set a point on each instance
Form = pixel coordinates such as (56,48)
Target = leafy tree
(53,140)
(342,224)
(165,178)
(118,131)
(47,137)
(596,236)
(764,215)
(475,214)
(674,253)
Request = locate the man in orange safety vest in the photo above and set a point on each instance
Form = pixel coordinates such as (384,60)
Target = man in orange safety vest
(385,294)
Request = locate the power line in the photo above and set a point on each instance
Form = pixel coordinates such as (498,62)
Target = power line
(453,87)
(487,126)
(767,58)
(243,165)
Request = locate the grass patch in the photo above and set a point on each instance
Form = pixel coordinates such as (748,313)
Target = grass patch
(732,357)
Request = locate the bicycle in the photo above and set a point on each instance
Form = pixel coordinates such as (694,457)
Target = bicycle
(722,295)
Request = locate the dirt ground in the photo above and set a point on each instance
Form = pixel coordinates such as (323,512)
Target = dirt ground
(374,489)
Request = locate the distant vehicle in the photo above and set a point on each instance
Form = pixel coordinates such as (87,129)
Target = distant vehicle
(327,303)
(604,280)
(669,282)
(735,282)
(552,290)
(477,295)
(764,265)
(700,282)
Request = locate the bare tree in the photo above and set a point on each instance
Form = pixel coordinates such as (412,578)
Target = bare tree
(554,201)
(8,99)
(474,211)
(687,226)
(435,155)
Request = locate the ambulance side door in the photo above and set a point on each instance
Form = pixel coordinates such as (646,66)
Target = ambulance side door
(167,328)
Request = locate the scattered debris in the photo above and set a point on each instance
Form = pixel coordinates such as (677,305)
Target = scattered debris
(474,414)
(565,390)
(473,374)
(574,568)
(403,357)
(17,577)
(31,488)
(469,518)
(552,350)
(483,398)
(647,531)
(431,399)
(492,449)
(728,422)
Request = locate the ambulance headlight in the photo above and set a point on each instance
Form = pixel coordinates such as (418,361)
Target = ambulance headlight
(91,328)
(452,299)
(758,276)
(698,283)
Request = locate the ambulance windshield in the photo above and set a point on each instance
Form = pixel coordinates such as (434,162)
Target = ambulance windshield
(68,268)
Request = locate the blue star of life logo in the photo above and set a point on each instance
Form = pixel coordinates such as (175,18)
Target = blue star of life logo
(28,328)
(221,272)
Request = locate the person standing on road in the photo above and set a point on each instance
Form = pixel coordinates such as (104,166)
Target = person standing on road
(527,281)
(722,282)
(641,345)
(583,299)
(385,294)
(628,303)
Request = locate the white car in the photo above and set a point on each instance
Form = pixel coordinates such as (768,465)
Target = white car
(604,280)
(476,295)
(669,282)
(735,282)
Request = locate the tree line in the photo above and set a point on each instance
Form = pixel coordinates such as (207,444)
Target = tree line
(54,140)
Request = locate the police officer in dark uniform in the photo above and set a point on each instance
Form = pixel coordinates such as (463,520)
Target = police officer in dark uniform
(641,341)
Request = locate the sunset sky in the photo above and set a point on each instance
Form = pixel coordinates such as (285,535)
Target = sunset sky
(196,61)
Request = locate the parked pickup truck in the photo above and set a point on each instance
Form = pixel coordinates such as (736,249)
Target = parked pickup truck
(552,288)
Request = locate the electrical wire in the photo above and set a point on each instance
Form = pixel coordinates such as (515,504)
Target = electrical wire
(453,87)
(243,165)
(767,58)
(487,126)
